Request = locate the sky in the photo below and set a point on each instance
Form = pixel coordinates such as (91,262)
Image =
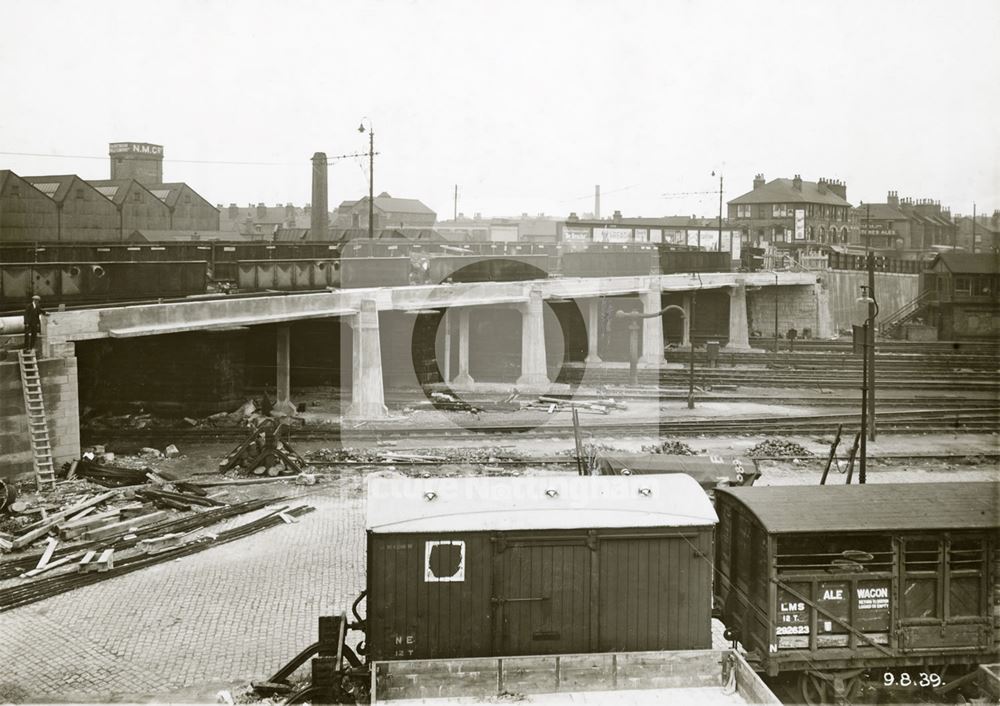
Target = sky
(525,105)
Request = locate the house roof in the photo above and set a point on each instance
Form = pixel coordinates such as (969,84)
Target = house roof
(535,503)
(782,191)
(968,263)
(291,235)
(874,507)
(389,204)
(879,212)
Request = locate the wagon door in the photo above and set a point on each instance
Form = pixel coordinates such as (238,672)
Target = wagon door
(542,601)
(945,593)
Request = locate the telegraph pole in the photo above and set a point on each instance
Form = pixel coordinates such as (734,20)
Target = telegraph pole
(973,227)
(454,216)
(870,333)
(371,175)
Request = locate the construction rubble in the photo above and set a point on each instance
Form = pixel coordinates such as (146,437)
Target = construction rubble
(777,448)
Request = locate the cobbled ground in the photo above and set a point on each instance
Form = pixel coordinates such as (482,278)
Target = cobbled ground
(183,630)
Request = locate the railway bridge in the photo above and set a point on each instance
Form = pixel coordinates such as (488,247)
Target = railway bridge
(380,328)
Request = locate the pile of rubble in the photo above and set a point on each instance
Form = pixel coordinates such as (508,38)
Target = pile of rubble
(379,456)
(777,448)
(674,448)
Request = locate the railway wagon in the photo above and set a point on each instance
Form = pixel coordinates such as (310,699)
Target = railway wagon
(478,567)
(710,471)
(834,581)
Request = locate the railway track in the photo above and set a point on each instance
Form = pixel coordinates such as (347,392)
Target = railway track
(986,420)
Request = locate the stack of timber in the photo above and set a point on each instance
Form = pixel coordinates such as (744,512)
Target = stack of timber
(265,451)
(96,565)
(560,404)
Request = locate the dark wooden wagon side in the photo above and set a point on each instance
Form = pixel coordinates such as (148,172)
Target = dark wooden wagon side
(831,580)
(528,566)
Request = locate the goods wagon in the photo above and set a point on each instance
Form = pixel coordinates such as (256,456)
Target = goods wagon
(834,581)
(710,471)
(511,566)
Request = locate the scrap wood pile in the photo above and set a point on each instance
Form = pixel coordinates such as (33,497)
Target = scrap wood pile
(265,451)
(97,563)
(551,405)
(777,448)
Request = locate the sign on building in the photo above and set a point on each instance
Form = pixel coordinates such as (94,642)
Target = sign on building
(641,235)
(655,235)
(577,235)
(612,235)
(800,224)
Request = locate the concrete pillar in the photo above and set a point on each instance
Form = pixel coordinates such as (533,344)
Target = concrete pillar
(446,363)
(283,403)
(463,379)
(686,331)
(652,328)
(824,316)
(534,373)
(593,330)
(368,395)
(739,329)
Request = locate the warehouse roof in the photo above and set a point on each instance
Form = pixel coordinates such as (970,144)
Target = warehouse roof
(389,204)
(55,186)
(879,507)
(782,191)
(490,504)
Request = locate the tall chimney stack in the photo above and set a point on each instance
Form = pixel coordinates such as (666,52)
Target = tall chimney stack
(320,225)
(597,201)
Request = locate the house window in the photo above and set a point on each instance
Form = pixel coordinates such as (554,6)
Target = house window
(187,198)
(137,197)
(15,190)
(963,286)
(822,234)
(79,193)
(812,232)
(779,210)
(743,210)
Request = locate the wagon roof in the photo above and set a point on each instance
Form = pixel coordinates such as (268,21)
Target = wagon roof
(488,504)
(881,507)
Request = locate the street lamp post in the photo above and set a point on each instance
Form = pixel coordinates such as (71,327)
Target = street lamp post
(371,175)
(867,377)
(719,248)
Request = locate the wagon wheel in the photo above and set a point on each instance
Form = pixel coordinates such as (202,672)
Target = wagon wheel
(814,689)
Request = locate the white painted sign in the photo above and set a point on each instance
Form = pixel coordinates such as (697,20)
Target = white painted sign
(580,235)
(612,235)
(800,224)
(655,235)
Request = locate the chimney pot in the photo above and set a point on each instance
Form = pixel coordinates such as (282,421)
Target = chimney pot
(758,181)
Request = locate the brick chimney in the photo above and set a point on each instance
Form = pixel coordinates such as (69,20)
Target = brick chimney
(758,181)
(234,212)
(893,198)
(320,217)
(821,185)
(617,216)
(995,220)
(838,187)
(797,182)
(261,211)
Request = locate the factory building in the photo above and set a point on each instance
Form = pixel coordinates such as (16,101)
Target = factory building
(69,208)
(138,207)
(26,214)
(83,214)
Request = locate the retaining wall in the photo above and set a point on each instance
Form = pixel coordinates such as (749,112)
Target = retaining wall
(893,291)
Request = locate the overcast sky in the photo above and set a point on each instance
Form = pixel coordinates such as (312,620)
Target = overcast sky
(525,105)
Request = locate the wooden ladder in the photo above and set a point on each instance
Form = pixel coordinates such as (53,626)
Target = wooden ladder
(38,427)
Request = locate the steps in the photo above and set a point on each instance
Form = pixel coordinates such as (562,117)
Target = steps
(38,428)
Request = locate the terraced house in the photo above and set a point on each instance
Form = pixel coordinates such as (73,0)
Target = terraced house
(793,211)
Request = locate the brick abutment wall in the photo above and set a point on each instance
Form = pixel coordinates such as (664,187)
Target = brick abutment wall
(799,307)
(60,394)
